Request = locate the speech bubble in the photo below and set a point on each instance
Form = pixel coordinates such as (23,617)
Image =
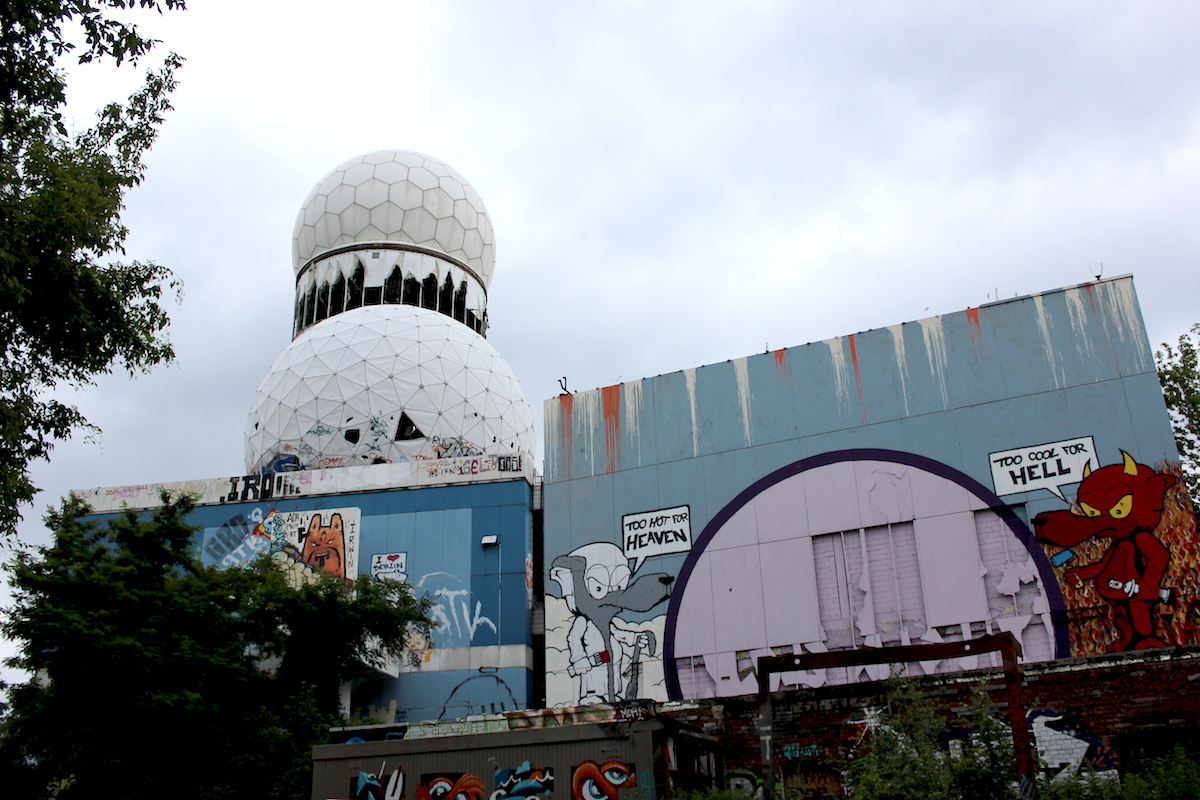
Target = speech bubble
(656,533)
(1042,466)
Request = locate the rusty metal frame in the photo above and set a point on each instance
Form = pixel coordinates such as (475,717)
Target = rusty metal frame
(1004,643)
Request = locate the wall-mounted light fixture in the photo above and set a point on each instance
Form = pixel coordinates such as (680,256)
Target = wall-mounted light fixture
(490,540)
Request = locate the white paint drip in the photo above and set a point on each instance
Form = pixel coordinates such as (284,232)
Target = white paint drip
(935,349)
(743,386)
(841,374)
(1047,344)
(587,411)
(897,332)
(633,416)
(1077,308)
(553,434)
(689,375)
(1120,298)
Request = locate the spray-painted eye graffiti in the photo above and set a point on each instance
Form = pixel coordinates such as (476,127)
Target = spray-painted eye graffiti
(369,786)
(592,781)
(526,781)
(450,786)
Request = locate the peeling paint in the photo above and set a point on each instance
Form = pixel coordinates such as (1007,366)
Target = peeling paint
(743,390)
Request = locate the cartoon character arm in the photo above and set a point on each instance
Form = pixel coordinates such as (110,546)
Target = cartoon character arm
(629,636)
(1157,557)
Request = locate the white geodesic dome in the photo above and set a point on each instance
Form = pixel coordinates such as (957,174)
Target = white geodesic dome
(396,196)
(382,384)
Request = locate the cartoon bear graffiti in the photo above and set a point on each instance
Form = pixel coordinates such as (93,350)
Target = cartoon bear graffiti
(605,650)
(1124,503)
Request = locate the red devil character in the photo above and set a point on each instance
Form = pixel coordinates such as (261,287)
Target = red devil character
(1124,503)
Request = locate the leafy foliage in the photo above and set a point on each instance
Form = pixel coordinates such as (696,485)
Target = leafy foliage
(913,753)
(148,666)
(1179,374)
(66,313)
(1173,776)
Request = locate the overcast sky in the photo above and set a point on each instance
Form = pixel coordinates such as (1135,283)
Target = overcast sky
(671,183)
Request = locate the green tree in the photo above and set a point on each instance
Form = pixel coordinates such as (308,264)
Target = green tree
(914,753)
(153,675)
(67,312)
(1179,375)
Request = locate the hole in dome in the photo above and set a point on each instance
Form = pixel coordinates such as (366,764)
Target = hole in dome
(352,435)
(407,430)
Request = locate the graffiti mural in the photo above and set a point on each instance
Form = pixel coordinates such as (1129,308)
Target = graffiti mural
(381,786)
(1066,743)
(1111,553)
(525,781)
(450,786)
(606,655)
(592,781)
(304,543)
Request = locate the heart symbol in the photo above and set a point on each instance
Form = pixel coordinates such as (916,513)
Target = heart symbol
(393,556)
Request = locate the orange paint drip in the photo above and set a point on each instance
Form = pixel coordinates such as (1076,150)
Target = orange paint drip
(780,362)
(611,397)
(976,331)
(857,377)
(566,404)
(1091,296)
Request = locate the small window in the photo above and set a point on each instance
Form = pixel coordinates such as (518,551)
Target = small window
(429,292)
(412,291)
(391,287)
(460,302)
(337,296)
(354,291)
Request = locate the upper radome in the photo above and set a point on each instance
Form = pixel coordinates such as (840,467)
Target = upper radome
(395,196)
